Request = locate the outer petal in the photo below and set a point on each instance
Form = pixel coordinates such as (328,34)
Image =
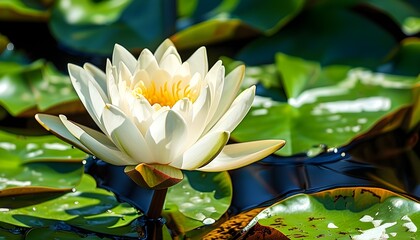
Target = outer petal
(98,74)
(121,54)
(241,154)
(125,135)
(236,112)
(98,144)
(231,87)
(87,91)
(198,62)
(162,48)
(202,152)
(166,137)
(55,126)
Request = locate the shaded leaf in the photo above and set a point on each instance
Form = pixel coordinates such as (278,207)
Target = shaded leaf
(336,36)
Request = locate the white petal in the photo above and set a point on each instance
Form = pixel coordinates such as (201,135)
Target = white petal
(55,126)
(98,74)
(142,114)
(160,51)
(241,154)
(84,87)
(166,137)
(214,79)
(236,112)
(184,108)
(121,54)
(98,144)
(170,51)
(201,109)
(111,83)
(170,64)
(202,151)
(231,86)
(198,61)
(147,61)
(125,135)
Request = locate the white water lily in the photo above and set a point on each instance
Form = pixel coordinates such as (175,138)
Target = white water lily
(160,112)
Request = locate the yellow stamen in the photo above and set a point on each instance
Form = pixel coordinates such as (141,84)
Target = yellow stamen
(167,94)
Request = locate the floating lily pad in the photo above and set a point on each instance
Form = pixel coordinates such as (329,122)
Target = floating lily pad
(85,207)
(326,33)
(407,16)
(34,164)
(343,213)
(199,200)
(38,87)
(233,20)
(95,26)
(319,112)
(21,10)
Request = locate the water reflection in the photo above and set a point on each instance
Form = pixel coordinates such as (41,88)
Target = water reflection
(389,160)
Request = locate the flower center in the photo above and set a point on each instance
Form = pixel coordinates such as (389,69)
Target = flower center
(168,93)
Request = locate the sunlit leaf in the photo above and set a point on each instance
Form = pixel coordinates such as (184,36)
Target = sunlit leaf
(343,213)
(32,164)
(233,20)
(133,24)
(21,10)
(330,115)
(91,11)
(38,87)
(199,200)
(85,207)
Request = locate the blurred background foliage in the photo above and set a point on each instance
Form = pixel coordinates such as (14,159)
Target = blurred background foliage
(332,77)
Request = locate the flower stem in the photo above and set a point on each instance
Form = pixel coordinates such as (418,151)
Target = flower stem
(156,206)
(152,221)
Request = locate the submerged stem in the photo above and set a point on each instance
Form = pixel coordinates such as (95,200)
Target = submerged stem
(152,222)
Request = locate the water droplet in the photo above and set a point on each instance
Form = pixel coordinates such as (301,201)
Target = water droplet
(343,154)
(73,190)
(76,202)
(84,162)
(10,46)
(34,209)
(4,209)
(208,221)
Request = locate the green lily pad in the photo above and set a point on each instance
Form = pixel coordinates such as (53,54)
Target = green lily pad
(86,207)
(21,10)
(34,164)
(336,35)
(133,24)
(47,233)
(199,200)
(407,16)
(318,113)
(343,213)
(233,20)
(38,87)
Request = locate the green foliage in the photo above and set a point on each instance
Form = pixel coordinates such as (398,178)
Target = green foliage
(328,72)
(356,213)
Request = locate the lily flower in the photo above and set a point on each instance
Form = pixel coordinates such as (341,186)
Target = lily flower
(158,115)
